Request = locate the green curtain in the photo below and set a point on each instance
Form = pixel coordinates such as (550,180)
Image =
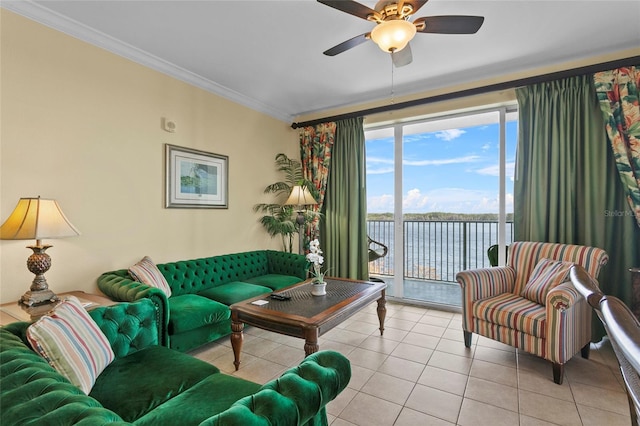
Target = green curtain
(343,234)
(567,188)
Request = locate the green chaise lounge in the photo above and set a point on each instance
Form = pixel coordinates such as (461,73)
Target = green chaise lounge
(149,384)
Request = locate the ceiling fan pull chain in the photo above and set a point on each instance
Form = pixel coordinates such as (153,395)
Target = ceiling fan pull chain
(392,88)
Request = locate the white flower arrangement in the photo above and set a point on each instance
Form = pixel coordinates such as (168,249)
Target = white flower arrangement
(315,257)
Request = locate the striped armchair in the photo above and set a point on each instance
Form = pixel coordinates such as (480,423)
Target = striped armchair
(497,302)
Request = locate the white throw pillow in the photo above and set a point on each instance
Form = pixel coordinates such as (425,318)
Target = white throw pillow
(72,343)
(148,273)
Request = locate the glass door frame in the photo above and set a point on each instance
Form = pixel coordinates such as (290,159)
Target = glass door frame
(398,218)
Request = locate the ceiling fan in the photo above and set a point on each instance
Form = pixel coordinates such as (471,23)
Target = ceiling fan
(393,30)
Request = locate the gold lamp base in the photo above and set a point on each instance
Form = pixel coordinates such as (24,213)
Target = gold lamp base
(39,263)
(38,297)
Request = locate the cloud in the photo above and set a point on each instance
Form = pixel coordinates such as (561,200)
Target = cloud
(495,171)
(450,134)
(442,200)
(450,200)
(380,204)
(455,200)
(492,205)
(379,166)
(381,171)
(378,160)
(372,162)
(419,137)
(414,200)
(457,160)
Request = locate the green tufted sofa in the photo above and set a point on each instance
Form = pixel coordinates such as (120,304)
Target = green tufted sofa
(203,289)
(149,384)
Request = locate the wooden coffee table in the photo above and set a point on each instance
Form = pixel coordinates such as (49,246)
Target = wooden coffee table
(304,315)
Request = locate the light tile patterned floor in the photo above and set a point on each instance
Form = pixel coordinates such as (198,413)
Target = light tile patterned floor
(420,373)
(434,292)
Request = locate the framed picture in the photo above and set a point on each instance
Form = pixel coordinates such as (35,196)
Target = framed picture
(196,179)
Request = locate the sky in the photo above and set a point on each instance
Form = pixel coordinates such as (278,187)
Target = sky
(453,170)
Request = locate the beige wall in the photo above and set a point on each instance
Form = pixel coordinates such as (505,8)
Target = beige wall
(83,126)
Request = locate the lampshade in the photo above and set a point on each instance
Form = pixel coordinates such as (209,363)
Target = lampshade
(300,196)
(35,219)
(393,36)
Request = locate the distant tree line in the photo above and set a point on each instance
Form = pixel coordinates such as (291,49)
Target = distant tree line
(442,216)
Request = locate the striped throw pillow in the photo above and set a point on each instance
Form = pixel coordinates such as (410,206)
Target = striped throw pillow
(72,343)
(546,275)
(148,273)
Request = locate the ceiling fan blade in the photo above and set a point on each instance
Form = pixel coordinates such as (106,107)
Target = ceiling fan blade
(450,24)
(351,7)
(417,4)
(346,45)
(403,57)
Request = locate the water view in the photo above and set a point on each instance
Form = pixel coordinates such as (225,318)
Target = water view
(437,250)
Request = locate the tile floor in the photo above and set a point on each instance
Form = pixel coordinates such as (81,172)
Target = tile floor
(420,373)
(434,292)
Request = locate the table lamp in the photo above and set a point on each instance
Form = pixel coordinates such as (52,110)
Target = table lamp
(300,196)
(37,218)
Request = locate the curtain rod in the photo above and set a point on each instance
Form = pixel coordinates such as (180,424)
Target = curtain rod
(543,78)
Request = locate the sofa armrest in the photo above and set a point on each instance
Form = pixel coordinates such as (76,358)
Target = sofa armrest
(284,263)
(298,397)
(118,286)
(129,327)
(486,282)
(563,297)
(568,323)
(481,283)
(32,392)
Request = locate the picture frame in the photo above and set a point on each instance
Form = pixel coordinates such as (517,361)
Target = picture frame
(196,179)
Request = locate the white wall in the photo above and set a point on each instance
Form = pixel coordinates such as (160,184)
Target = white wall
(83,126)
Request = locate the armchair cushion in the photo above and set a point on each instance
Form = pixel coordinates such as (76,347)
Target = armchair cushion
(546,275)
(234,292)
(72,343)
(224,389)
(274,281)
(145,271)
(168,374)
(189,311)
(513,312)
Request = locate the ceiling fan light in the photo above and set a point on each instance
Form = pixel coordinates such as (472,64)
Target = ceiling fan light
(393,36)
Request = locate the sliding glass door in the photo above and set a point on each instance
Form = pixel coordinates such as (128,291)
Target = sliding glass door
(440,193)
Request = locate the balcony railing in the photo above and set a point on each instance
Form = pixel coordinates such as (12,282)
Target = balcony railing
(436,250)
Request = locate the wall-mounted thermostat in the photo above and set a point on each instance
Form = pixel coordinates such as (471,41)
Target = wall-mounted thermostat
(168,125)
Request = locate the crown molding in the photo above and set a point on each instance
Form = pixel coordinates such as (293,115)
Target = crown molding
(49,18)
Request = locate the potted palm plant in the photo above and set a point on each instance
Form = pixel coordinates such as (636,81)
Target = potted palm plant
(279,219)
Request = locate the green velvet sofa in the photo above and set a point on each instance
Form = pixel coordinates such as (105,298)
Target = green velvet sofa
(150,384)
(203,289)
